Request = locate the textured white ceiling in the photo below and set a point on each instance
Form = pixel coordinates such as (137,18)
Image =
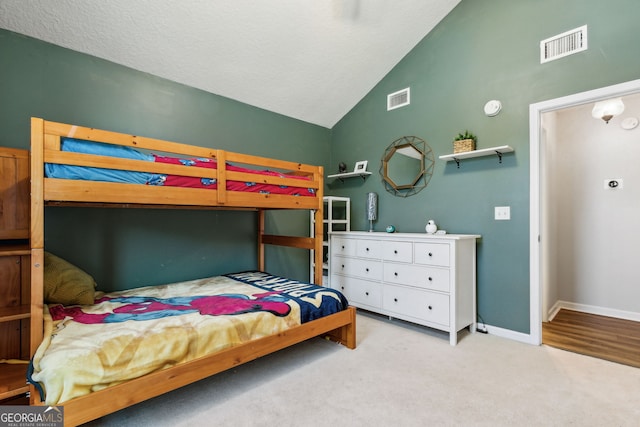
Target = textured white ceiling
(311,60)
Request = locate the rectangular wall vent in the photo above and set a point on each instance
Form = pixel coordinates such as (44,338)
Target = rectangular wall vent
(398,99)
(564,44)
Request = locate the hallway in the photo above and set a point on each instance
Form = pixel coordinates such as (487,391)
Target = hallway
(608,338)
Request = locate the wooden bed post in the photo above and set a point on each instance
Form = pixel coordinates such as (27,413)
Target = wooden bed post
(36,239)
(37,231)
(319,230)
(221,160)
(317,244)
(261,262)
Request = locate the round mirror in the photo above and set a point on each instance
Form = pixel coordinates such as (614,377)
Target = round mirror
(407,165)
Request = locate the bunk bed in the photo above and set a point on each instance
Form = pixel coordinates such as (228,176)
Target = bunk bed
(191,177)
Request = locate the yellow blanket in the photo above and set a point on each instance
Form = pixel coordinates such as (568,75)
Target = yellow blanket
(131,333)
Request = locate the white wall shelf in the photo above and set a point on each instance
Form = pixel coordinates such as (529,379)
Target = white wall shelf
(342,176)
(499,151)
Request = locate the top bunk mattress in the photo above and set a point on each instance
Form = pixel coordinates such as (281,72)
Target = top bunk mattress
(63,171)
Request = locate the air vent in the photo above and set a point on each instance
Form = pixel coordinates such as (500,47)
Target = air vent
(564,44)
(398,99)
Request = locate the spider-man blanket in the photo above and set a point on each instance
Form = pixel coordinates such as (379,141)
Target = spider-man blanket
(130,333)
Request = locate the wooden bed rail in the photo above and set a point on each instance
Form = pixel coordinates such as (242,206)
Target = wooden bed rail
(53,131)
(46,148)
(314,243)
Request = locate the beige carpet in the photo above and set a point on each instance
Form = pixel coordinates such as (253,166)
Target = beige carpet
(403,375)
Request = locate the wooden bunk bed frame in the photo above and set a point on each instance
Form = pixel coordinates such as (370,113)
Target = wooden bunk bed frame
(45,148)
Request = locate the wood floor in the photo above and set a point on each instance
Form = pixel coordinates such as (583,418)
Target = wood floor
(607,338)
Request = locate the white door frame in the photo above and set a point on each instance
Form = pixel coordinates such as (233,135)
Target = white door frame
(535,226)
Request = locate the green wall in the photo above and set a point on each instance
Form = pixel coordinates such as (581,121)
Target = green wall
(484,49)
(123,248)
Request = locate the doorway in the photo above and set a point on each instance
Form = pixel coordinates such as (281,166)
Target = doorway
(540,229)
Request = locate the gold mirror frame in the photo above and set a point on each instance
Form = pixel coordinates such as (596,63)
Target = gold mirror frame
(411,147)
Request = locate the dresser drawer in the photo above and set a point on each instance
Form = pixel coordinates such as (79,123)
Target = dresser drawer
(432,254)
(436,279)
(369,249)
(424,305)
(362,268)
(340,246)
(397,251)
(359,292)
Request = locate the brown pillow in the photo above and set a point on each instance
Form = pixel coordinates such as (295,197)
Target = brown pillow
(64,283)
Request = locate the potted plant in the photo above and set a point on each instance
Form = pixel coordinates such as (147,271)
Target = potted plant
(464,142)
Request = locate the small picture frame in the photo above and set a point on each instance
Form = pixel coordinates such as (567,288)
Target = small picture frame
(360,166)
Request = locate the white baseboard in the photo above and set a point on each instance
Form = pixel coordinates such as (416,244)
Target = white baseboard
(554,310)
(509,334)
(593,309)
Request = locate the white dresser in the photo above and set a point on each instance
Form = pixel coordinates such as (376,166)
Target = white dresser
(422,278)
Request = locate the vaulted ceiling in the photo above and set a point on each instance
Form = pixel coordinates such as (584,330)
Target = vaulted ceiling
(311,60)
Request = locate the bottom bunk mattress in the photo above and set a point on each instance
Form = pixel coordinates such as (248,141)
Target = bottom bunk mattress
(127,334)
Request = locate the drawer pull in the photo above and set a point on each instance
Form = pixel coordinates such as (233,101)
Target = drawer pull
(395,252)
(342,246)
(342,287)
(431,279)
(367,249)
(395,274)
(430,308)
(366,293)
(366,269)
(395,300)
(430,254)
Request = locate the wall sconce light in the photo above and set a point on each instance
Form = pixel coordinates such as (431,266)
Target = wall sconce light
(608,109)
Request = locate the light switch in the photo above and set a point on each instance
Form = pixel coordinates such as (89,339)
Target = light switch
(502,213)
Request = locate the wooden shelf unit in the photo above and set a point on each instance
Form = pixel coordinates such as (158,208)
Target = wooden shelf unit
(15,269)
(13,380)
